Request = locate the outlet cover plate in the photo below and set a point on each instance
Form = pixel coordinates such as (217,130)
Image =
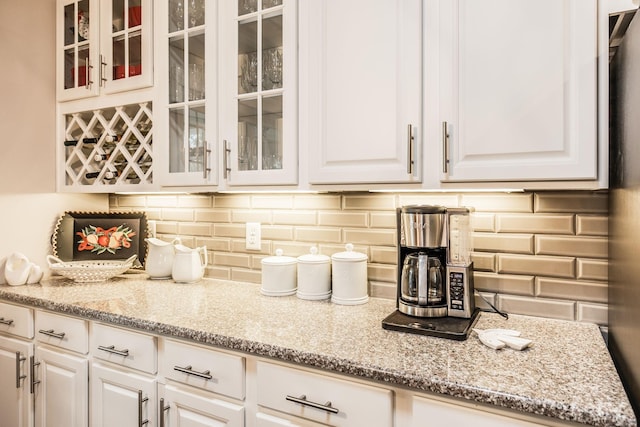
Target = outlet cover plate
(253,239)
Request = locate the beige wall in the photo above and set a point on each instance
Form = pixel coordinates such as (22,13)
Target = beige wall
(543,254)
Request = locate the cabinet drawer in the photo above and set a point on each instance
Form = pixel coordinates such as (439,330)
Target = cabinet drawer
(323,398)
(62,331)
(203,367)
(126,348)
(16,320)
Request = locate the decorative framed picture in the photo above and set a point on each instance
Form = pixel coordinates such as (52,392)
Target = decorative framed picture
(81,236)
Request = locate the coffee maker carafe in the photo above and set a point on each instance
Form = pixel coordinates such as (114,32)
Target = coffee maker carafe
(422,261)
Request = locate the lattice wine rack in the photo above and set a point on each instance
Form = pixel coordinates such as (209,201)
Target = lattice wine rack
(109,149)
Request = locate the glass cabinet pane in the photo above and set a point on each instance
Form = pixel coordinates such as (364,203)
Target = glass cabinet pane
(196,67)
(196,138)
(247,58)
(272,133)
(176,70)
(248,134)
(247,6)
(271,3)
(176,138)
(272,52)
(196,12)
(176,15)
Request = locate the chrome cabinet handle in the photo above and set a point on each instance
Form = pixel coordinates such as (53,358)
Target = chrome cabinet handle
(189,371)
(19,378)
(410,149)
(112,349)
(141,400)
(227,153)
(88,82)
(302,400)
(103,71)
(32,369)
(4,321)
(51,333)
(445,147)
(205,160)
(163,409)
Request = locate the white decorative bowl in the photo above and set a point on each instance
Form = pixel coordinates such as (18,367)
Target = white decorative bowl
(89,271)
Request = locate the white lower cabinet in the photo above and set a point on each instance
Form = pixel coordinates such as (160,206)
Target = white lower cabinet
(16,405)
(440,414)
(321,398)
(61,390)
(121,397)
(189,407)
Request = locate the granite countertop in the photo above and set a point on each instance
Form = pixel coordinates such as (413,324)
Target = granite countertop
(568,374)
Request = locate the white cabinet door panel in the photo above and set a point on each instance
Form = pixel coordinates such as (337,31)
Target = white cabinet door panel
(360,90)
(518,89)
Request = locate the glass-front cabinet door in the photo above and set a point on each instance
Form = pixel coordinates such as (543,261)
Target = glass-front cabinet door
(187,65)
(126,45)
(77,39)
(103,47)
(259,92)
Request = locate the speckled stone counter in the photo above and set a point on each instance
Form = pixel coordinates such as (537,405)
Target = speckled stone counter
(568,373)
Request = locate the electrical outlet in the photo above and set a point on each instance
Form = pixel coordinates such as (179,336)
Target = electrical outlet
(253,236)
(151,224)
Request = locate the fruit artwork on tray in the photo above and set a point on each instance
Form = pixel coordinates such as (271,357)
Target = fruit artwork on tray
(104,236)
(100,240)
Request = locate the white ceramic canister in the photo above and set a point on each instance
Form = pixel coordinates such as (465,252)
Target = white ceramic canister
(279,275)
(314,276)
(349,277)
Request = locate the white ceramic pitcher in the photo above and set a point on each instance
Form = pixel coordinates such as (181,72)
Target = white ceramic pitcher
(188,264)
(159,261)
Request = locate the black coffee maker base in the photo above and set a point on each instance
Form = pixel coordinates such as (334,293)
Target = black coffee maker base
(453,328)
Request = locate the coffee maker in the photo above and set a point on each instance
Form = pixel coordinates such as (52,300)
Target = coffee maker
(435,272)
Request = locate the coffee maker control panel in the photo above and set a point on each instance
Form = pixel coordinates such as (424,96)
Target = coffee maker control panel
(460,298)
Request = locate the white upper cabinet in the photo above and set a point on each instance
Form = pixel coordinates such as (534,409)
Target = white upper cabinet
(258,92)
(103,47)
(361,90)
(517,85)
(186,93)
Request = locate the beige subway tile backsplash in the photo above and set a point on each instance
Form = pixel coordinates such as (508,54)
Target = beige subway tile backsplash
(536,253)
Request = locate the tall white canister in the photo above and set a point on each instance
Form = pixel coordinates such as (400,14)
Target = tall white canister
(314,276)
(349,277)
(279,275)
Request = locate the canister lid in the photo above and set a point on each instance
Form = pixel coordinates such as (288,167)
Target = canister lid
(349,255)
(313,257)
(279,259)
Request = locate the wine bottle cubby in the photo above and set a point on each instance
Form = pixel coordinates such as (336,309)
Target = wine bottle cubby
(109,148)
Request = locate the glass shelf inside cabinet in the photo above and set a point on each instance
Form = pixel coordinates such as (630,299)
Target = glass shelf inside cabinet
(260,85)
(112,146)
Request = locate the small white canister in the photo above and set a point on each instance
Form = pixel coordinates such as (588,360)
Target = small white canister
(349,277)
(279,275)
(314,276)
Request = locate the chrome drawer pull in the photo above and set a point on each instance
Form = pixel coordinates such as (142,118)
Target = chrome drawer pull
(50,333)
(302,400)
(141,400)
(33,364)
(6,321)
(163,409)
(189,371)
(19,378)
(112,349)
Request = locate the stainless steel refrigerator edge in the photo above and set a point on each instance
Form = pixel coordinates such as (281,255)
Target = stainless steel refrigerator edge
(624,211)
